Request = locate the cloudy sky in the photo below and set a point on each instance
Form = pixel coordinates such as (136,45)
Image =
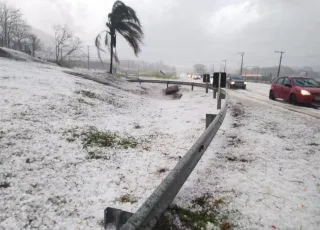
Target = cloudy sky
(182,33)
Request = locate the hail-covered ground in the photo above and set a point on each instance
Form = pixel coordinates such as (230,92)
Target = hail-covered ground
(262,170)
(71,147)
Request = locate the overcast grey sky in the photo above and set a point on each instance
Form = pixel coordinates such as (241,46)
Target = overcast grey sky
(185,32)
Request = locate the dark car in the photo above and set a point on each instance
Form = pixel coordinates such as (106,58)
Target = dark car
(304,90)
(236,81)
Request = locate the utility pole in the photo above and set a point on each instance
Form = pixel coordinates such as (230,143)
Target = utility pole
(88,57)
(241,53)
(225,65)
(281,52)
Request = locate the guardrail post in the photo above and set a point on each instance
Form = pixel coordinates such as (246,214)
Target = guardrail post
(192,86)
(214,93)
(207,87)
(167,84)
(209,119)
(115,217)
(219,101)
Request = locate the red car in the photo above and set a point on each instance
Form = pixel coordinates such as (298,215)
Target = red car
(303,90)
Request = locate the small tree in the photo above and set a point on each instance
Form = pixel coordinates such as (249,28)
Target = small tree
(199,68)
(35,44)
(49,52)
(65,42)
(20,34)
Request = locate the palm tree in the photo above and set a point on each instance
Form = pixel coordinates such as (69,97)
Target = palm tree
(122,19)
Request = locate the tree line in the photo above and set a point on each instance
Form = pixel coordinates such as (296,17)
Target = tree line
(16,33)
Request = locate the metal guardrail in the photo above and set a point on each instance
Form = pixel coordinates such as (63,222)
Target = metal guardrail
(150,212)
(192,84)
(171,82)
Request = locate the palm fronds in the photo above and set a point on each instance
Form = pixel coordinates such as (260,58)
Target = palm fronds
(122,19)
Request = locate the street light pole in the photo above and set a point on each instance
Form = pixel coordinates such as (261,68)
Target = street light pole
(281,52)
(225,65)
(242,54)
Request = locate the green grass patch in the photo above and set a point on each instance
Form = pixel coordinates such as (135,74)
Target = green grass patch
(72,133)
(127,199)
(92,95)
(96,138)
(120,75)
(97,143)
(204,212)
(96,155)
(81,100)
(194,219)
(87,93)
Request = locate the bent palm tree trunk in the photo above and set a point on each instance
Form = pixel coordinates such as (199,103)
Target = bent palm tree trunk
(112,46)
(111,59)
(122,19)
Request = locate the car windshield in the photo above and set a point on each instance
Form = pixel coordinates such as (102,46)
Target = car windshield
(306,82)
(237,77)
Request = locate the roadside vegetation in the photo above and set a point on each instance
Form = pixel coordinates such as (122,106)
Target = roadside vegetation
(96,142)
(205,212)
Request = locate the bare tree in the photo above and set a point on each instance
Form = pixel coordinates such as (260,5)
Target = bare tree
(35,44)
(20,33)
(65,42)
(49,52)
(9,19)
